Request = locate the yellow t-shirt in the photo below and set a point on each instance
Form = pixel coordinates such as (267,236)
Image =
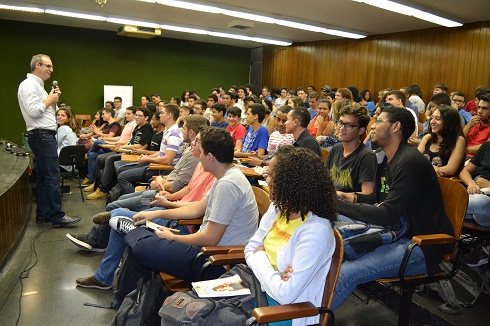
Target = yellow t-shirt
(278,235)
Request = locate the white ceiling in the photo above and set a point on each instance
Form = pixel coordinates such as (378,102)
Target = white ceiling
(342,14)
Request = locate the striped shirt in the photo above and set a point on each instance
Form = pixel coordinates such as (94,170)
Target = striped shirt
(172,140)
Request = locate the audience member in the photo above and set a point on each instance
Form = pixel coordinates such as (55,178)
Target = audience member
(237,131)
(477,131)
(296,124)
(219,112)
(257,135)
(351,164)
(321,125)
(414,193)
(269,122)
(367,101)
(458,101)
(65,135)
(444,145)
(313,104)
(119,112)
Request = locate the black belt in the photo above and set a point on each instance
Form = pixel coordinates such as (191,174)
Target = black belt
(41,131)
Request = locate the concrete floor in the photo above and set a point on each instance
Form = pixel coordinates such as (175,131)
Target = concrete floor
(50,297)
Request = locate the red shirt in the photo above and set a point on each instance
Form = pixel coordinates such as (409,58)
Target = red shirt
(478,135)
(237,133)
(471,107)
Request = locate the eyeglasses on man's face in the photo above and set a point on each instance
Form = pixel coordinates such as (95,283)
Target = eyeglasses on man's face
(347,125)
(47,66)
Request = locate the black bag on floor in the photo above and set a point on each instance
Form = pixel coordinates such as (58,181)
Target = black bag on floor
(140,307)
(187,308)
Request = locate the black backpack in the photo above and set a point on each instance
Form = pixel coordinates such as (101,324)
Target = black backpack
(140,307)
(187,308)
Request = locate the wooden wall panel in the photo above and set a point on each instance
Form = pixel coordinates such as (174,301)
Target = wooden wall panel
(458,57)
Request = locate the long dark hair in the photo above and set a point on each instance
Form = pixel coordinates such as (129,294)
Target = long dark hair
(301,184)
(451,130)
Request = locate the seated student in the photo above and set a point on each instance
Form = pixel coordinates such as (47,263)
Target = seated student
(106,163)
(477,131)
(277,138)
(97,239)
(290,254)
(111,129)
(236,129)
(65,135)
(269,122)
(478,187)
(212,100)
(97,124)
(379,108)
(351,164)
(435,101)
(257,135)
(472,106)
(184,112)
(230,218)
(219,111)
(200,108)
(124,138)
(154,144)
(321,124)
(444,145)
(298,120)
(458,101)
(406,186)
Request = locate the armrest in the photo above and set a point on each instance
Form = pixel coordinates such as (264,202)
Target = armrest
(129,158)
(284,312)
(433,239)
(196,221)
(107,146)
(124,150)
(160,167)
(214,250)
(227,259)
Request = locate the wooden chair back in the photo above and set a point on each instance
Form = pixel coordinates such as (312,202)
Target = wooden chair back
(325,153)
(262,199)
(81,119)
(333,275)
(422,117)
(455,198)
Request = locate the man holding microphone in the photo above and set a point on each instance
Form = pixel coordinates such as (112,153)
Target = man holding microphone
(39,111)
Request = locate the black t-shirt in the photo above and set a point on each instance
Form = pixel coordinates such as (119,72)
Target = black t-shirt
(156,140)
(141,135)
(306,140)
(482,160)
(349,172)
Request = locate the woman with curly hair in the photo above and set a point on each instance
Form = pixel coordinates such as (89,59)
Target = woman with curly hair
(444,145)
(290,254)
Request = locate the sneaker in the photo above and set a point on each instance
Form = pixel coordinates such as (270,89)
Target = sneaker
(86,182)
(90,188)
(122,224)
(97,195)
(102,218)
(476,258)
(65,221)
(80,240)
(91,283)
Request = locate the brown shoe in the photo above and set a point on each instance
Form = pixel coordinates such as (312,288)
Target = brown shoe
(91,283)
(97,195)
(102,218)
(90,188)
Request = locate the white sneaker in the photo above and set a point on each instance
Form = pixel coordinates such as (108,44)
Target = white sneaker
(122,224)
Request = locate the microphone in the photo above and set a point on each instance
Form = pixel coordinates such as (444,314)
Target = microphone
(55,84)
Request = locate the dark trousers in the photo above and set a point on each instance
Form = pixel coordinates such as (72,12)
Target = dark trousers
(105,162)
(148,252)
(47,171)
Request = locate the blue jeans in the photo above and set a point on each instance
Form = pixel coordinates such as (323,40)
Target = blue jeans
(479,209)
(47,171)
(132,201)
(116,246)
(92,157)
(381,263)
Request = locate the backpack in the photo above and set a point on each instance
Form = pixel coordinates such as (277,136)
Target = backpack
(187,308)
(360,238)
(462,290)
(140,307)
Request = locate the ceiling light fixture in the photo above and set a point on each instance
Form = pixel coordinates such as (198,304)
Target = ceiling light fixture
(75,15)
(407,10)
(22,8)
(255,17)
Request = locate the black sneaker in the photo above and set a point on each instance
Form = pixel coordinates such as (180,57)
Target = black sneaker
(81,240)
(122,224)
(476,258)
(66,221)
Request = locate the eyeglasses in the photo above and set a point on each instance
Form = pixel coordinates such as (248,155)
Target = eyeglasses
(197,141)
(47,66)
(383,120)
(139,115)
(458,101)
(348,126)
